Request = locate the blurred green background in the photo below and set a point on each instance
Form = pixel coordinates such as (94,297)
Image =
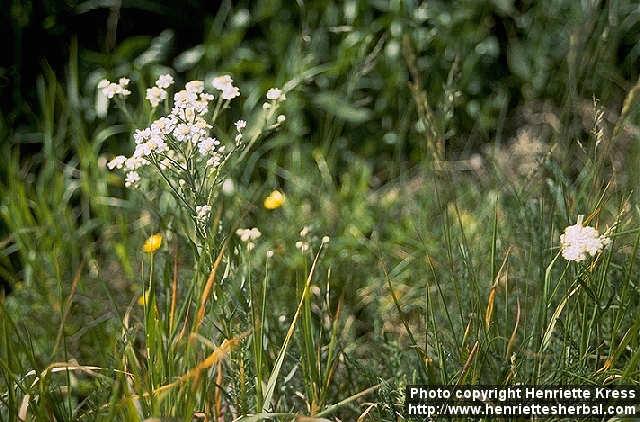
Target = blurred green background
(498,58)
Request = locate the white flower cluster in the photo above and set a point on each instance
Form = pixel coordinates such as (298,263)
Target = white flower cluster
(157,94)
(249,236)
(165,141)
(111,89)
(203,212)
(275,94)
(240,124)
(180,146)
(304,243)
(578,241)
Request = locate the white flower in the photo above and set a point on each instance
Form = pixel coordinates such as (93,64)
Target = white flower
(281,118)
(228,187)
(132,178)
(221,82)
(164,125)
(225,84)
(202,213)
(123,83)
(240,124)
(134,163)
(185,99)
(578,241)
(117,162)
(303,246)
(164,81)
(111,89)
(269,253)
(202,124)
(305,231)
(182,132)
(230,92)
(158,144)
(140,136)
(325,239)
(274,94)
(190,114)
(248,235)
(194,86)
(208,145)
(155,95)
(143,149)
(216,158)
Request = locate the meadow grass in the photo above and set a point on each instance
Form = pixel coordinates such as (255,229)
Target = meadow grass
(446,270)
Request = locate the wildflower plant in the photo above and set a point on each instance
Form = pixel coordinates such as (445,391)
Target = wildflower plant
(189,150)
(186,148)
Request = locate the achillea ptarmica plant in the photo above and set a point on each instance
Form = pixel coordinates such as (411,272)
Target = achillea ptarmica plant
(179,149)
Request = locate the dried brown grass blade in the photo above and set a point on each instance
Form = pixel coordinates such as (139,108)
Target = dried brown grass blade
(492,293)
(469,361)
(216,356)
(512,339)
(218,393)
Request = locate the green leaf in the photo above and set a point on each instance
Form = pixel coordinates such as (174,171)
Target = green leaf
(334,105)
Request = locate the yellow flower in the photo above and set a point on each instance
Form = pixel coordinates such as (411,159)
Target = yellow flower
(153,243)
(274,200)
(144,298)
